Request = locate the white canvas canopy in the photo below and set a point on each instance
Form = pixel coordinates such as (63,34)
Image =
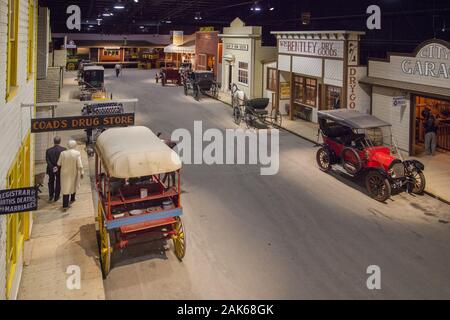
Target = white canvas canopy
(93,68)
(134,152)
(179,49)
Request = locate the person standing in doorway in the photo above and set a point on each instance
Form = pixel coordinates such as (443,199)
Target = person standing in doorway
(118,68)
(53,171)
(71,173)
(431,129)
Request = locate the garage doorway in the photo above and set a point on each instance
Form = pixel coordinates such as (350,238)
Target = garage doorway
(441,110)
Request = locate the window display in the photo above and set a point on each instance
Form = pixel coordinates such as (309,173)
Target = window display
(333,98)
(305,91)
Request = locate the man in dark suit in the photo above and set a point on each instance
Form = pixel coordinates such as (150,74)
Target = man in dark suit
(53,171)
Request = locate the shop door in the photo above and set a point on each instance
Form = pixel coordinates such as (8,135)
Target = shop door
(230,76)
(441,111)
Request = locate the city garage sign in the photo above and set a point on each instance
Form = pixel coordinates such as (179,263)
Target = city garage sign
(315,48)
(433,60)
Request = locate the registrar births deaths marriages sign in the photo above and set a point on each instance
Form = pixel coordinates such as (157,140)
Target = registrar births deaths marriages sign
(18,200)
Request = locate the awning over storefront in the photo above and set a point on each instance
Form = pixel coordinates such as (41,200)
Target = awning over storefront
(187,48)
(407,86)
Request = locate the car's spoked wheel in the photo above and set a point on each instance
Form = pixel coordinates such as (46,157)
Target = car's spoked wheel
(378,186)
(179,239)
(323,160)
(419,182)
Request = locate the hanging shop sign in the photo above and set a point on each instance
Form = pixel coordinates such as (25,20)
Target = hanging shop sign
(357,97)
(81,122)
(178,38)
(352,84)
(353,53)
(18,200)
(433,61)
(315,48)
(236,46)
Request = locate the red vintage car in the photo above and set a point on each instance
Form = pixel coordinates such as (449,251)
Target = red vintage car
(360,144)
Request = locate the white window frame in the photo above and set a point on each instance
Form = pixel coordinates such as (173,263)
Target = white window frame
(244,70)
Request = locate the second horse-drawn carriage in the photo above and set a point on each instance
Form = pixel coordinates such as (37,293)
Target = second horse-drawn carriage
(169,74)
(91,81)
(254,112)
(360,145)
(138,183)
(200,83)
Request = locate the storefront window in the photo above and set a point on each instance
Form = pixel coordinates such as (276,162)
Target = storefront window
(299,84)
(333,98)
(211,62)
(12,56)
(305,91)
(243,72)
(271,79)
(311,92)
(202,61)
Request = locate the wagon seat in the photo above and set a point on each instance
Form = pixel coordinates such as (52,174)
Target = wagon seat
(258,106)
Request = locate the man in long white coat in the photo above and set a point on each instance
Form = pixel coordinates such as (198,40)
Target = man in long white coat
(71,173)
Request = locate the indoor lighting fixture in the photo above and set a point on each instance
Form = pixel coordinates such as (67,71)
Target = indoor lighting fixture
(136,1)
(198,16)
(119,5)
(142,27)
(255,7)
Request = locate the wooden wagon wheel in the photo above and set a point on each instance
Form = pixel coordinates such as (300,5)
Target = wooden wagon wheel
(197,93)
(179,239)
(215,91)
(237,114)
(276,117)
(71,66)
(105,244)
